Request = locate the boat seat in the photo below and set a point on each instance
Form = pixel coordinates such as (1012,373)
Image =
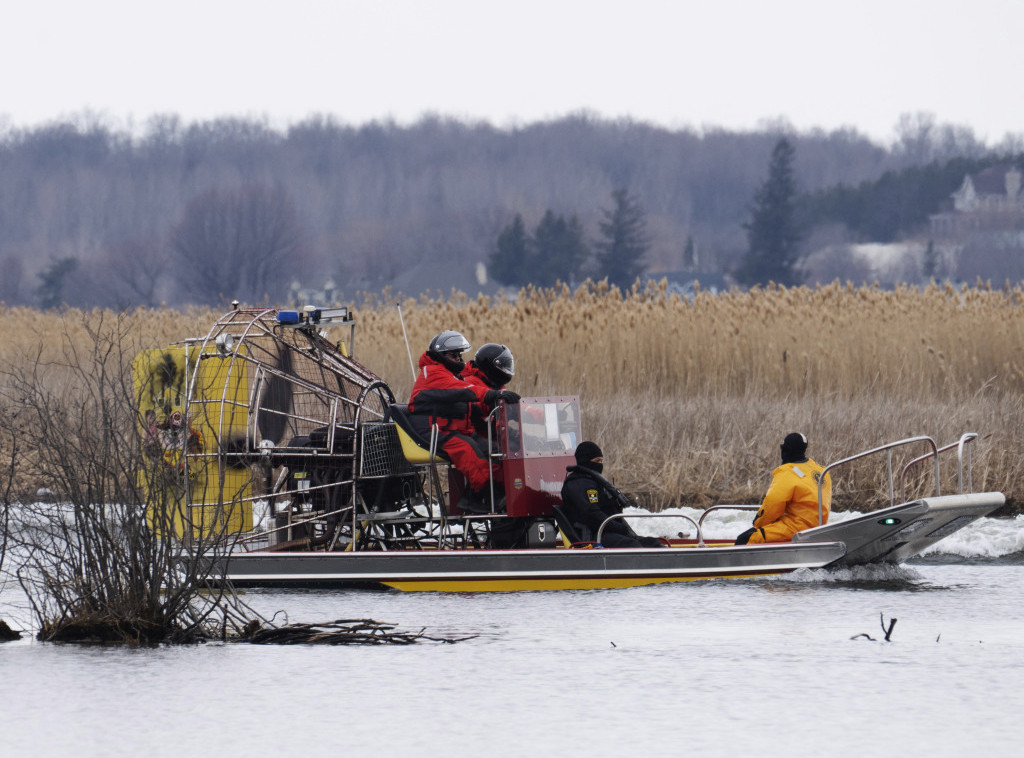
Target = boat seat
(570,536)
(415,448)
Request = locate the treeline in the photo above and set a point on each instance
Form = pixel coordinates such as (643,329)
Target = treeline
(895,204)
(91,214)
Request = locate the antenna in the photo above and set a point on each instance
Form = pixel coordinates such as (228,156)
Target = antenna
(406,336)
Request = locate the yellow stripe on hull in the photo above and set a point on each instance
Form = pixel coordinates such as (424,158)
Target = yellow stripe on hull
(526,585)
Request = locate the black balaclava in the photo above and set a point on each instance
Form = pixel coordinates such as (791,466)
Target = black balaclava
(487,377)
(586,452)
(455,365)
(794,448)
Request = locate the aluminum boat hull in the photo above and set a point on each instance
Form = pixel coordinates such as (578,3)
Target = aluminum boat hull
(889,535)
(894,534)
(517,570)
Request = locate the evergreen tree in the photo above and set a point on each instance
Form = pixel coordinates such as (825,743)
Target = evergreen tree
(623,242)
(772,232)
(930,264)
(690,254)
(896,204)
(554,252)
(509,260)
(53,279)
(558,250)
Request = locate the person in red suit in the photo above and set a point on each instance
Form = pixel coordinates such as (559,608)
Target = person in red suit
(492,367)
(440,395)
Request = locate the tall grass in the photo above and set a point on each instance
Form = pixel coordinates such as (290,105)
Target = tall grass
(690,397)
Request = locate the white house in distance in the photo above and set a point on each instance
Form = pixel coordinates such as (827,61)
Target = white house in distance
(982,235)
(979,234)
(990,200)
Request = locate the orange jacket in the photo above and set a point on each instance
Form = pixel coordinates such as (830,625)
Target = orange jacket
(791,504)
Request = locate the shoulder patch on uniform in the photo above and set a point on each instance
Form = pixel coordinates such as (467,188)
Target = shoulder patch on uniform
(592,496)
(798,472)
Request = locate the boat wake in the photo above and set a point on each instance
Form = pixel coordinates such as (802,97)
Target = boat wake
(987,540)
(875,575)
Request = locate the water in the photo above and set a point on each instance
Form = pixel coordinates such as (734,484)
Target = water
(766,667)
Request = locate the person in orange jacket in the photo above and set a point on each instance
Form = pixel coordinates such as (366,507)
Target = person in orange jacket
(791,503)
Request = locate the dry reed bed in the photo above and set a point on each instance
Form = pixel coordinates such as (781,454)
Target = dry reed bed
(689,398)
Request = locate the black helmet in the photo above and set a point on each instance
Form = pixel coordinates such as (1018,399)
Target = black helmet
(448,348)
(496,363)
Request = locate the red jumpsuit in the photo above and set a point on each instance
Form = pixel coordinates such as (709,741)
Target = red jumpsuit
(441,397)
(478,412)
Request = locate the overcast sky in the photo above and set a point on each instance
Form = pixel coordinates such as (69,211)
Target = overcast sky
(677,63)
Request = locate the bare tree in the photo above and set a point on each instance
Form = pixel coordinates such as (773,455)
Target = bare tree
(238,244)
(8,459)
(134,270)
(915,134)
(8,471)
(101,561)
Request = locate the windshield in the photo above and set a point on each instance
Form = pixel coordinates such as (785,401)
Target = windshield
(543,425)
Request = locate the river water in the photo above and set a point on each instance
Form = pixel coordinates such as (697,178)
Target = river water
(762,667)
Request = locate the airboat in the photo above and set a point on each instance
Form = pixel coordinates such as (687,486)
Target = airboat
(292,464)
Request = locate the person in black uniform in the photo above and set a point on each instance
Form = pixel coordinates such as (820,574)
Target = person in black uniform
(588,499)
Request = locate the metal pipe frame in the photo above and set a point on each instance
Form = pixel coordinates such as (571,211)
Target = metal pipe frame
(961,447)
(888,448)
(614,516)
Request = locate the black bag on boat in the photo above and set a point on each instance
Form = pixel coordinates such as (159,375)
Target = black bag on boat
(522,533)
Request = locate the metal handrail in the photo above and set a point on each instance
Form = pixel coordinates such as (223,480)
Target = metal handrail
(888,448)
(961,446)
(722,507)
(491,444)
(434,481)
(600,529)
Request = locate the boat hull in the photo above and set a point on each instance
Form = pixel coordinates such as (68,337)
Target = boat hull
(894,534)
(519,570)
(889,535)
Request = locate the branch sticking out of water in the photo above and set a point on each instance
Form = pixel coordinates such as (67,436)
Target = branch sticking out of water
(892,623)
(885,631)
(340,632)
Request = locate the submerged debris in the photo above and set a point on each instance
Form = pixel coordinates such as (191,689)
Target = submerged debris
(7,634)
(340,632)
(887,632)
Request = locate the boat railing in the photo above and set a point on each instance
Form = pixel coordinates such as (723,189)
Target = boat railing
(961,447)
(614,516)
(494,451)
(719,507)
(887,449)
